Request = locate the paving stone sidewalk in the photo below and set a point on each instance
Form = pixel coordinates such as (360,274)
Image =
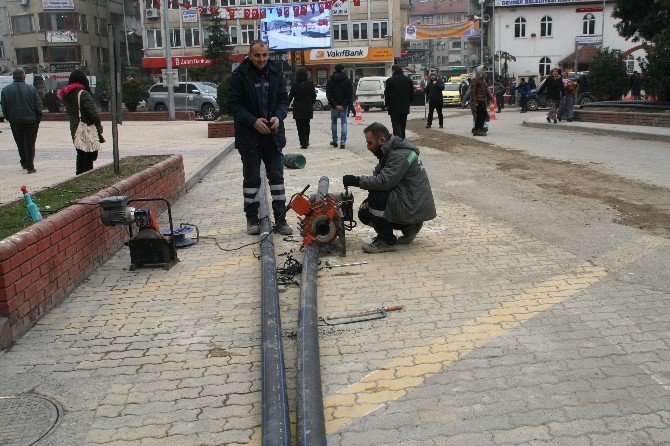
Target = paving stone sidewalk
(506,338)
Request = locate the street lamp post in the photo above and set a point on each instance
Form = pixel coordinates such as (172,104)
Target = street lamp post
(168,58)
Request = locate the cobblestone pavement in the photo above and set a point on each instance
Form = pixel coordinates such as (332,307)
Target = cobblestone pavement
(510,334)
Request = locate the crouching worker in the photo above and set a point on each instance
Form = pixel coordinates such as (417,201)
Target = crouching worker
(399,195)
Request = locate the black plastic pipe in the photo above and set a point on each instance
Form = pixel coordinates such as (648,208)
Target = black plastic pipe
(276,430)
(311,422)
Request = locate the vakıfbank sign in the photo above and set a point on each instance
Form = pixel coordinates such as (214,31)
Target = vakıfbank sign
(348,54)
(513,3)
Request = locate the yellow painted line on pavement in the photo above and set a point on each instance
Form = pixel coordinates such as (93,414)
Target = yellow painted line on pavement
(397,377)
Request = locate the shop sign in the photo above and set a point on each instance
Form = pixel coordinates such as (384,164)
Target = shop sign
(589,40)
(61,36)
(63,67)
(514,3)
(189,16)
(469,28)
(347,54)
(57,4)
(340,8)
(177,62)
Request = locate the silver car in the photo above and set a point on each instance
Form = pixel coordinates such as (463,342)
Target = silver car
(199,97)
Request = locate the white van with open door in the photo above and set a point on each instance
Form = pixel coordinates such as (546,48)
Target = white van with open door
(371,92)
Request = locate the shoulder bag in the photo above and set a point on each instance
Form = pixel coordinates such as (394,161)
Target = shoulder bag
(86,136)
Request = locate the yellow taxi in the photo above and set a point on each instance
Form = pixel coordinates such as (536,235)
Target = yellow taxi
(450,94)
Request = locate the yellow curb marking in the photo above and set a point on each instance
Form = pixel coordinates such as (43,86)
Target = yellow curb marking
(397,377)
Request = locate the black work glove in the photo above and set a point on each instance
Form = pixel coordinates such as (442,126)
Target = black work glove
(351,180)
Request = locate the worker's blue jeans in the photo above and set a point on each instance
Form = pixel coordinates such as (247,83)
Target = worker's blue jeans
(336,114)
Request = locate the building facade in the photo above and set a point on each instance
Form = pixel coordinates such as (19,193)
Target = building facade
(365,34)
(443,55)
(55,37)
(556,34)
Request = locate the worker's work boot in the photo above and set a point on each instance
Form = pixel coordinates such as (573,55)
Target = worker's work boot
(379,245)
(409,234)
(282,226)
(253,226)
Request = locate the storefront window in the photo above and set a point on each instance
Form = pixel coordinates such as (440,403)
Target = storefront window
(62,54)
(26,56)
(322,77)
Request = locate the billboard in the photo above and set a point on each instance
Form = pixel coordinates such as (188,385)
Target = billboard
(295,27)
(468,28)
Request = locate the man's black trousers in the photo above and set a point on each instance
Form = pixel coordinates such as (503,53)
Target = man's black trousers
(399,122)
(25,136)
(374,216)
(435,105)
(251,184)
(303,131)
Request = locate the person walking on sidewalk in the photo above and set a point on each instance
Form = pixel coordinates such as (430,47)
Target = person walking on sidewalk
(500,95)
(259,105)
(555,91)
(338,92)
(303,95)
(479,97)
(82,105)
(524,91)
(399,193)
(22,107)
(398,96)
(435,100)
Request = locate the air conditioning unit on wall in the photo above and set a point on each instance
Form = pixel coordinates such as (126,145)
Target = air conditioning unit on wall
(153,13)
(23,2)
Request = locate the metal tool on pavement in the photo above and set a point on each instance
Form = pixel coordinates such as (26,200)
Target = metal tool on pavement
(330,265)
(368,315)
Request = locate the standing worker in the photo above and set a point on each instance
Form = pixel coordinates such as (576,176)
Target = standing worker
(259,105)
(22,107)
(398,96)
(303,95)
(524,91)
(338,92)
(435,100)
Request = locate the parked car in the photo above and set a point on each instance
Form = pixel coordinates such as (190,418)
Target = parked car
(371,92)
(585,96)
(451,94)
(321,99)
(196,96)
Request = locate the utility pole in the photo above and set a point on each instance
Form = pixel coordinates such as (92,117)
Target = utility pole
(602,38)
(168,57)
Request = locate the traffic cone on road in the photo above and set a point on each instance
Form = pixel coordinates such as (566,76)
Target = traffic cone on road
(359,112)
(492,110)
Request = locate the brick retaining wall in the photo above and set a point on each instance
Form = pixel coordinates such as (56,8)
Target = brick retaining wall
(223,129)
(44,263)
(130,116)
(628,118)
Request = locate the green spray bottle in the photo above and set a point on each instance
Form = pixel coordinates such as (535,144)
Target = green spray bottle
(32,207)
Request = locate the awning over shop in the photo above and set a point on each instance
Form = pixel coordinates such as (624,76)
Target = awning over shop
(586,54)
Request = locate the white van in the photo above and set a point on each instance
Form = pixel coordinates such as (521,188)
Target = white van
(371,92)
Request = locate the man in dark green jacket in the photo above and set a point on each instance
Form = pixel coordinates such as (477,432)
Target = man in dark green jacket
(399,196)
(22,107)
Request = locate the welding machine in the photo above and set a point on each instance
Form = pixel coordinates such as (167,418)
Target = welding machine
(148,246)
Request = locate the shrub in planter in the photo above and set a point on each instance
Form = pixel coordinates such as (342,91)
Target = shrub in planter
(222,96)
(51,102)
(132,93)
(608,77)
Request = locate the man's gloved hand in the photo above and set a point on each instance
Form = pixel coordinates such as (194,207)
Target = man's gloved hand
(351,180)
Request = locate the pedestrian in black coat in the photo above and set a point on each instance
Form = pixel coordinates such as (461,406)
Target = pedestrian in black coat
(303,95)
(398,96)
(435,100)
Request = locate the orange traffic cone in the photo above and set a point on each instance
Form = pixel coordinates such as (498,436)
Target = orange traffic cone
(492,110)
(359,112)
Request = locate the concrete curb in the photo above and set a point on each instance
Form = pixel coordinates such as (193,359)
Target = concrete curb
(599,131)
(208,166)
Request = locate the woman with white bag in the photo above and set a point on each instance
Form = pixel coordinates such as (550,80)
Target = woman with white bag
(85,125)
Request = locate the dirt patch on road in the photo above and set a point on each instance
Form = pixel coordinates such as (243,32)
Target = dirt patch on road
(640,205)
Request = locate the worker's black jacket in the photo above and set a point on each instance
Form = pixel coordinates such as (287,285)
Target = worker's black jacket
(246,104)
(398,94)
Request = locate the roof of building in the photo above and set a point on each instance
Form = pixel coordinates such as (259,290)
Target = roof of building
(432,7)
